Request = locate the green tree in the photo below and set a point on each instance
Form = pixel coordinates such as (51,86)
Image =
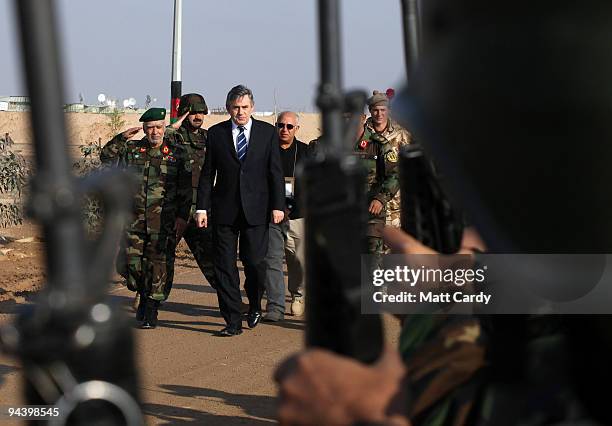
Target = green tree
(115,122)
(87,164)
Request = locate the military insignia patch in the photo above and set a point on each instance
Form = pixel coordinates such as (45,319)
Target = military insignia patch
(143,149)
(363,144)
(166,150)
(391,157)
(170,159)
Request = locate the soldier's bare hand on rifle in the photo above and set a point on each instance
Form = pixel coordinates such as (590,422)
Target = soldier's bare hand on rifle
(201,220)
(375,207)
(277,216)
(180,225)
(318,387)
(131,132)
(177,124)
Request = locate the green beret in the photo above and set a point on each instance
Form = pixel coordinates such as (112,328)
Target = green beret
(377,99)
(153,114)
(192,102)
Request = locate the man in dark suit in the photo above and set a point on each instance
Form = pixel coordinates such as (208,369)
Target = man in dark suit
(243,162)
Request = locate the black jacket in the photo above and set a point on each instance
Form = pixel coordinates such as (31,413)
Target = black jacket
(256,186)
(303,152)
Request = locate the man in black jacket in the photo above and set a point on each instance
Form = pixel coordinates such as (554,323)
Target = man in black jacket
(243,162)
(287,238)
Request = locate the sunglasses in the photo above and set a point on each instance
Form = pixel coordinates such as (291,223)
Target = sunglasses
(283,125)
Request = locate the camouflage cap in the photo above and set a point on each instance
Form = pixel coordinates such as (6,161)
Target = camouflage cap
(377,99)
(192,102)
(153,114)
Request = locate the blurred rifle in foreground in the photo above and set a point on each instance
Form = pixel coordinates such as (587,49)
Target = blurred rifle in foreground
(75,349)
(426,212)
(335,211)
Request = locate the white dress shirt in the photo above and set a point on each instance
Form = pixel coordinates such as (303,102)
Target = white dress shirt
(247,133)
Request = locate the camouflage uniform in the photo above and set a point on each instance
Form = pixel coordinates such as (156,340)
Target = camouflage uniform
(199,240)
(165,193)
(380,159)
(397,136)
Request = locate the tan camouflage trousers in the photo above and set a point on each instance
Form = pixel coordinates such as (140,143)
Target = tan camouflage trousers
(146,263)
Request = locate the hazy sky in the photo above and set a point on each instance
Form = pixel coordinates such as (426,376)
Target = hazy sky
(123,48)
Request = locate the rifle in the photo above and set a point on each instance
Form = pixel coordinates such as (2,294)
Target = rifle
(426,212)
(335,216)
(75,348)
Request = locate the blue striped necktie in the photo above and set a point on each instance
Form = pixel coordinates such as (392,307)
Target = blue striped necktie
(241,144)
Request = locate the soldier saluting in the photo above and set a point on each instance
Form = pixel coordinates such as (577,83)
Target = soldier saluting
(161,208)
(193,138)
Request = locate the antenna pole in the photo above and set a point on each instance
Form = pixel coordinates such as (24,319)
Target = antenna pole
(175,85)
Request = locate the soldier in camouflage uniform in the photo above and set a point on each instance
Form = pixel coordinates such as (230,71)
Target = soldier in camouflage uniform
(384,127)
(380,158)
(161,208)
(192,137)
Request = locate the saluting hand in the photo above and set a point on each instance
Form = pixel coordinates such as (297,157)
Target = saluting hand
(277,216)
(131,132)
(177,124)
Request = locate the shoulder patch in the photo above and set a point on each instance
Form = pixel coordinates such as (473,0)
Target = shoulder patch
(391,157)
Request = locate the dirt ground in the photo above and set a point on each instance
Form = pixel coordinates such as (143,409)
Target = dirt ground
(21,262)
(187,375)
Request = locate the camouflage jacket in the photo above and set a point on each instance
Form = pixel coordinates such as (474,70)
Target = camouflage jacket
(380,159)
(396,136)
(163,175)
(195,146)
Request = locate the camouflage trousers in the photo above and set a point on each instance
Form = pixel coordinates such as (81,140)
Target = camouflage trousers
(199,241)
(375,236)
(143,261)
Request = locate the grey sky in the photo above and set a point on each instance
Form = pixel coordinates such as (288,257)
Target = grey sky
(123,49)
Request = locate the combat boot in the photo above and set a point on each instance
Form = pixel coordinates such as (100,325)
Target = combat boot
(150,314)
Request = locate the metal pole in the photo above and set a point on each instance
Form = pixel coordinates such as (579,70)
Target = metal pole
(175,85)
(412,41)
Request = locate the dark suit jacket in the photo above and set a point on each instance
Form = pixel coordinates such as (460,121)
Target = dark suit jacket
(256,185)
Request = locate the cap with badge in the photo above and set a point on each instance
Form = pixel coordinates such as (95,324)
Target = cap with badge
(378,99)
(192,103)
(153,114)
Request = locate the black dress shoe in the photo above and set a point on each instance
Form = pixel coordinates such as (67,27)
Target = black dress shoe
(229,332)
(253,318)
